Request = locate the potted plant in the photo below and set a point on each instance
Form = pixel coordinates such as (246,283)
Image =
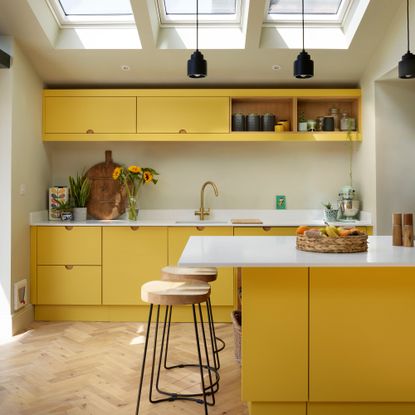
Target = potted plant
(80,188)
(65,208)
(302,122)
(330,212)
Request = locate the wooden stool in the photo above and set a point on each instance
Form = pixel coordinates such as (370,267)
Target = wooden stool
(168,293)
(205,274)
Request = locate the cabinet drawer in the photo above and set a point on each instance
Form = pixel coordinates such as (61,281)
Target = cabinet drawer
(81,115)
(183,114)
(69,285)
(68,245)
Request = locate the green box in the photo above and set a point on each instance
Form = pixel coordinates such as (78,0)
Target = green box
(280,202)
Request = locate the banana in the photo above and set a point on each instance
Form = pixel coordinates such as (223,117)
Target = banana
(332,231)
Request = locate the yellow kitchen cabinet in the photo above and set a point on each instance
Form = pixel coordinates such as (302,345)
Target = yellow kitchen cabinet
(275,337)
(69,285)
(265,231)
(222,288)
(89,115)
(198,114)
(362,342)
(68,245)
(131,257)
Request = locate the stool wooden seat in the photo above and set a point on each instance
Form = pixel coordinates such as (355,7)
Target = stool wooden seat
(169,294)
(175,293)
(206,274)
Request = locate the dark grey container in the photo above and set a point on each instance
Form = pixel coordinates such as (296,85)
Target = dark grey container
(253,122)
(238,122)
(268,122)
(328,124)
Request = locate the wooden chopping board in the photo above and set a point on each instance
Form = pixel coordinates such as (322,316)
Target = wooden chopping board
(106,200)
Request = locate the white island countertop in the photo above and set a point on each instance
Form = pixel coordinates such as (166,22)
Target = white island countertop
(218,217)
(280,251)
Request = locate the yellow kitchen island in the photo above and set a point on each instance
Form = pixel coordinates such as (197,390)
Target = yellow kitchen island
(322,334)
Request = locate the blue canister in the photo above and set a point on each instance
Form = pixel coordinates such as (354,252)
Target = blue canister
(328,123)
(238,122)
(253,122)
(268,122)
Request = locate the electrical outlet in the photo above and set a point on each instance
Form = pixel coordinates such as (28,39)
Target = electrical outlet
(280,202)
(20,294)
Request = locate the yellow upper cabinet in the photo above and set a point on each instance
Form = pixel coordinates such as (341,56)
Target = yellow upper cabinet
(183,114)
(89,115)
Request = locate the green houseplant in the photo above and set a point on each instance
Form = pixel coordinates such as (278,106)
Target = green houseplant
(330,212)
(80,189)
(302,122)
(65,208)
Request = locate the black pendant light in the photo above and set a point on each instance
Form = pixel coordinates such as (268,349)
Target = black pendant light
(303,66)
(407,64)
(196,65)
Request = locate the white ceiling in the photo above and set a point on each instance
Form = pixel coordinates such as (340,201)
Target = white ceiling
(152,66)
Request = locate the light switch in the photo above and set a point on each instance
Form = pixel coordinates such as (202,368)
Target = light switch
(22,189)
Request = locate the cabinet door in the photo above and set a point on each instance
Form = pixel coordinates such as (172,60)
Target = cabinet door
(70,285)
(183,114)
(265,231)
(275,335)
(131,257)
(222,288)
(80,115)
(67,245)
(362,341)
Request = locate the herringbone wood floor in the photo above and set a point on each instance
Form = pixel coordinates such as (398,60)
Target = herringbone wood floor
(93,368)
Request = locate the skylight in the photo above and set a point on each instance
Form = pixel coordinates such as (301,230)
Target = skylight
(90,12)
(211,11)
(316,11)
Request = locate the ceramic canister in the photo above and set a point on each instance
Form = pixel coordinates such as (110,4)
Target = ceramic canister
(268,122)
(328,124)
(238,122)
(253,122)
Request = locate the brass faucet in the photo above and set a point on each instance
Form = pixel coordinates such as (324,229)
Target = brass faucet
(202,212)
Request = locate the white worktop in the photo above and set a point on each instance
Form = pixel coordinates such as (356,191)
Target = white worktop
(218,217)
(280,251)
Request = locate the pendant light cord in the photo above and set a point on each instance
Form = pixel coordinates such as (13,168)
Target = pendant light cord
(197,24)
(407,21)
(303,21)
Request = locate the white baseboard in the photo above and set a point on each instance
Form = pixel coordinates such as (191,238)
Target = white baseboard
(22,319)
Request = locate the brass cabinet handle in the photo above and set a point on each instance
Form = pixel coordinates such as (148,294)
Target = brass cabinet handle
(182,131)
(90,131)
(200,228)
(134,228)
(69,267)
(266,228)
(68,228)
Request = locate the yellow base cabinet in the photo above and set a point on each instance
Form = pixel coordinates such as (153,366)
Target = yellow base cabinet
(66,265)
(362,341)
(222,288)
(265,231)
(131,257)
(275,337)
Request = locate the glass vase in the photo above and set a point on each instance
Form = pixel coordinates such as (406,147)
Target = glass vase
(132,208)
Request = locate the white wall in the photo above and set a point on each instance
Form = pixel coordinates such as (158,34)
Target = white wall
(30,163)
(248,175)
(5,200)
(382,106)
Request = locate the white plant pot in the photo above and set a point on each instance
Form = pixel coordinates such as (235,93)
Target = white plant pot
(79,214)
(302,126)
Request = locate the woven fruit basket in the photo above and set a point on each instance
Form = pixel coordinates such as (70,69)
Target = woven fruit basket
(347,244)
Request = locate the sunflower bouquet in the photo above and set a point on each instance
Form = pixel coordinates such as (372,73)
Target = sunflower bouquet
(131,178)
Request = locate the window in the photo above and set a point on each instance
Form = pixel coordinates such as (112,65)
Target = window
(82,12)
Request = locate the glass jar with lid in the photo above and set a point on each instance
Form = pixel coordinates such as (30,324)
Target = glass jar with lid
(334,112)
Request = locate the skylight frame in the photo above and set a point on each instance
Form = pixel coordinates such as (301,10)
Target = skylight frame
(320,19)
(65,20)
(170,20)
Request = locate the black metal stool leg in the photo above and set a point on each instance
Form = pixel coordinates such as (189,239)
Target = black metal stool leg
(200,359)
(218,339)
(140,387)
(168,338)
